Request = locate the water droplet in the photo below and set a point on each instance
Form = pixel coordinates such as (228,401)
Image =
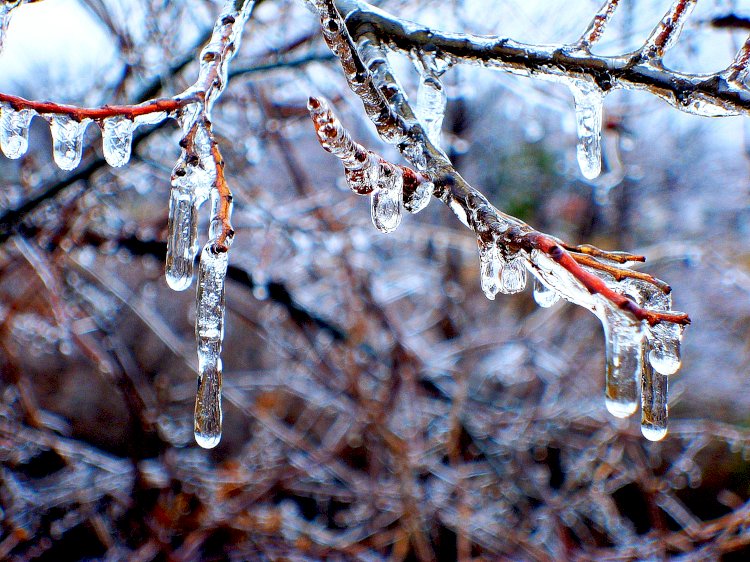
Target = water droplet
(14,130)
(543,295)
(588,100)
(67,139)
(117,135)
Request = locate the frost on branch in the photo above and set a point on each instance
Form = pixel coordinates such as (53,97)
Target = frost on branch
(642,334)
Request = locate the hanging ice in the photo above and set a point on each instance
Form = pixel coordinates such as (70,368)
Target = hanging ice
(588,99)
(385,201)
(431,96)
(543,295)
(14,130)
(182,238)
(622,345)
(67,139)
(209,330)
(430,109)
(654,410)
(490,265)
(117,135)
(664,355)
(513,276)
(192,180)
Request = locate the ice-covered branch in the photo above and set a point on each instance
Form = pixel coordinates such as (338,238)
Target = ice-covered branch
(598,24)
(665,35)
(641,332)
(709,95)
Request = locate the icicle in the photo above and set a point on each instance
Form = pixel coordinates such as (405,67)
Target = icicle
(664,355)
(622,343)
(14,130)
(490,265)
(67,139)
(654,409)
(386,200)
(430,109)
(117,134)
(513,276)
(588,100)
(209,330)
(431,96)
(182,238)
(544,295)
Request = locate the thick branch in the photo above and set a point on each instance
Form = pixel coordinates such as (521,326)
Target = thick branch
(557,62)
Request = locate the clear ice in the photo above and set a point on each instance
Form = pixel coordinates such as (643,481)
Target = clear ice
(14,130)
(385,200)
(654,410)
(622,347)
(209,330)
(491,264)
(513,276)
(182,237)
(588,99)
(67,139)
(544,295)
(430,108)
(664,354)
(117,135)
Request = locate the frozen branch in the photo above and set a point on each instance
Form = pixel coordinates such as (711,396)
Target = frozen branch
(708,95)
(598,24)
(665,35)
(634,308)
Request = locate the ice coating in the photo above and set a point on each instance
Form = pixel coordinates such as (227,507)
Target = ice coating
(67,139)
(385,200)
(543,295)
(182,238)
(654,410)
(430,108)
(664,354)
(491,264)
(14,130)
(622,347)
(117,136)
(209,331)
(588,99)
(513,276)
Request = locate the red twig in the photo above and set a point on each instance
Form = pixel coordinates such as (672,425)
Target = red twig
(99,113)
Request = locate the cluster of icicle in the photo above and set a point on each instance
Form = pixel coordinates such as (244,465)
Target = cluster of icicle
(639,356)
(368,174)
(67,134)
(193,180)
